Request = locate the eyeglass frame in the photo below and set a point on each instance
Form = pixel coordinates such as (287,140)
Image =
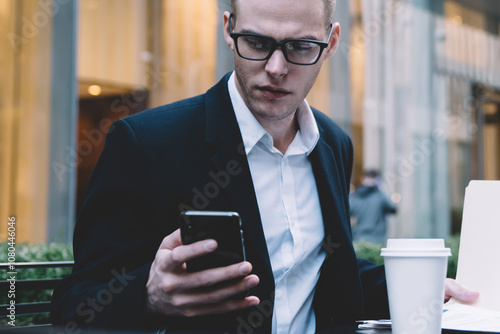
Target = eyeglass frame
(276,44)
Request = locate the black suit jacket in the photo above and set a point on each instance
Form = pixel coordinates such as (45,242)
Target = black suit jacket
(190,155)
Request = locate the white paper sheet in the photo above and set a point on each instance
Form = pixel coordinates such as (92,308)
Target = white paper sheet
(461,317)
(457,317)
(479,255)
(478,261)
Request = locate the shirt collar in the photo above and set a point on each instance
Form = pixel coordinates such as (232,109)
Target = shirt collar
(252,132)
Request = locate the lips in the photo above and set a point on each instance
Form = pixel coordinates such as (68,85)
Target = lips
(273,92)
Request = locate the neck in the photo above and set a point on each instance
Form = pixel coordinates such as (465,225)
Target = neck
(282,131)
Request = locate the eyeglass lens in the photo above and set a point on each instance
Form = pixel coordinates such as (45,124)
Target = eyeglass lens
(259,47)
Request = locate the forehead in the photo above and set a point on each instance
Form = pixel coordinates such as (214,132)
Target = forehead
(282,18)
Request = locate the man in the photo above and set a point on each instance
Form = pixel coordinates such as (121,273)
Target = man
(370,206)
(251,144)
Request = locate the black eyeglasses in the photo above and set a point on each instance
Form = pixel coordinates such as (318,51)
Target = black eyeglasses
(259,47)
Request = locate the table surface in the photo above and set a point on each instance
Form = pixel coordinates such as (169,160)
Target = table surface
(353,329)
(47,330)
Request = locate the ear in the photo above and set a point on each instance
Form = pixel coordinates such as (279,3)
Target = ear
(334,41)
(227,36)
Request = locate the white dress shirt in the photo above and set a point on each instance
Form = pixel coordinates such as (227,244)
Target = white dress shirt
(290,211)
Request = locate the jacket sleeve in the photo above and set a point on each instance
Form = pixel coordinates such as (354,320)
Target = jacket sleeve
(374,290)
(113,245)
(376,303)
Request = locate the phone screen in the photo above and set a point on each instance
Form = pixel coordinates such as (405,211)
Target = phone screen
(223,227)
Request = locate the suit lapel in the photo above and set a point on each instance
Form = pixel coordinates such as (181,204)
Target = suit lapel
(224,140)
(339,280)
(326,172)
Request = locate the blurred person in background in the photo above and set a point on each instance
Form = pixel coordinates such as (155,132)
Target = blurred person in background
(369,206)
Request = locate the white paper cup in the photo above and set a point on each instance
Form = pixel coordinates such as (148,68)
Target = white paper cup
(415,271)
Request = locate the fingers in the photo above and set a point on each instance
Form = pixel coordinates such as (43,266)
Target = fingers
(176,296)
(173,254)
(184,253)
(172,290)
(173,241)
(223,307)
(210,296)
(210,277)
(455,290)
(216,301)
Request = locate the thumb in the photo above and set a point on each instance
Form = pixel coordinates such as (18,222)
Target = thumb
(455,290)
(172,240)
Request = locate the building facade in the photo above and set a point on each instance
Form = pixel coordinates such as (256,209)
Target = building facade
(416,83)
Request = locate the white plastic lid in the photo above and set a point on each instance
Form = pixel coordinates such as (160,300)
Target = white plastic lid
(415,248)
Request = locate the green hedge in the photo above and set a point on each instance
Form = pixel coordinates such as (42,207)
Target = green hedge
(370,251)
(35,253)
(61,252)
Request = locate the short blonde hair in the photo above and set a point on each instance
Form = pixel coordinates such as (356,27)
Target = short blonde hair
(329,10)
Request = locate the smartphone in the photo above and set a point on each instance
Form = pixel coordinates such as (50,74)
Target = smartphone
(222,226)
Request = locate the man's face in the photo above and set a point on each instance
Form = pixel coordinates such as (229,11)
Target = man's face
(273,89)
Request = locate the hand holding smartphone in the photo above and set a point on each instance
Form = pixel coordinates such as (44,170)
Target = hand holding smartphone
(222,226)
(225,228)
(224,289)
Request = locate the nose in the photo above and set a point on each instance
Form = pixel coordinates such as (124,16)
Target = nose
(276,65)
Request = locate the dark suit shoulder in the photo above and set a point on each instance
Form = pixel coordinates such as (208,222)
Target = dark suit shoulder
(340,142)
(171,121)
(181,110)
(183,114)
(330,131)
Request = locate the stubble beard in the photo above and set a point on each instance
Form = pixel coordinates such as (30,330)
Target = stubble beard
(253,103)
